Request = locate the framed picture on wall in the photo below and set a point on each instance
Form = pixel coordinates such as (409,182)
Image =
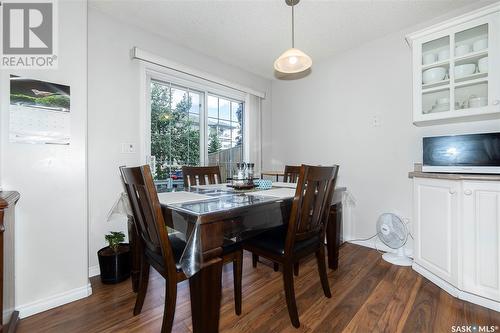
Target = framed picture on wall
(40,112)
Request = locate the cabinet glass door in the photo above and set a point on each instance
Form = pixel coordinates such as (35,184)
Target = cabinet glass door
(435,76)
(470,74)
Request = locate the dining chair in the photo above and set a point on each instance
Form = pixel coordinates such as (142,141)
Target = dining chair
(290,175)
(305,232)
(201,175)
(163,250)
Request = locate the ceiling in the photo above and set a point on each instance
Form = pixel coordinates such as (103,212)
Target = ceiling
(252,34)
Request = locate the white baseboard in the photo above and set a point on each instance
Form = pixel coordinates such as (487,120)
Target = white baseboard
(94,271)
(51,302)
(454,291)
(378,245)
(449,288)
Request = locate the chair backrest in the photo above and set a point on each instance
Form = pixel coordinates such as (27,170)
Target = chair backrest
(291,174)
(205,175)
(148,216)
(311,204)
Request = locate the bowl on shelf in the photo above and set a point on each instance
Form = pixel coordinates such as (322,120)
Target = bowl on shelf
(480,44)
(428,58)
(482,64)
(463,49)
(477,102)
(443,55)
(434,75)
(464,70)
(440,107)
(443,100)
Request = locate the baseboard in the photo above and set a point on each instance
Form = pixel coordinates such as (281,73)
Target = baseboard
(449,288)
(454,291)
(94,271)
(487,303)
(378,245)
(51,302)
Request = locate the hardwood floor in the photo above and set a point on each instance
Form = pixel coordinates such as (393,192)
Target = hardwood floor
(368,295)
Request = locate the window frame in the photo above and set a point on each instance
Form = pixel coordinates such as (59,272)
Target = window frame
(190,83)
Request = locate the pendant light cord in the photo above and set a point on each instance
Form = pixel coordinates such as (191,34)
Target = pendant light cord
(293,25)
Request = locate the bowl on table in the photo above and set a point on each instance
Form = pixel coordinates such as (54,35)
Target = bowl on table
(464,70)
(480,44)
(462,50)
(434,75)
(482,64)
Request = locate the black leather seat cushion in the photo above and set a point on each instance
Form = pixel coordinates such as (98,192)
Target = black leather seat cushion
(273,241)
(177,245)
(230,246)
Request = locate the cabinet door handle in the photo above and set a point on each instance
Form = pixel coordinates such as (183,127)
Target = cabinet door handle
(496,102)
(452,191)
(467,192)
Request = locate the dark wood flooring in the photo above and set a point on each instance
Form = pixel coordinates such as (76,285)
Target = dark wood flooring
(368,295)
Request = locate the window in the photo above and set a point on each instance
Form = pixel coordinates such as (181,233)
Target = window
(192,127)
(225,133)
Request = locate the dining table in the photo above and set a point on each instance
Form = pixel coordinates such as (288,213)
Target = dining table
(213,216)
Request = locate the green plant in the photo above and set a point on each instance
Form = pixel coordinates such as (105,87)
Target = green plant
(114,238)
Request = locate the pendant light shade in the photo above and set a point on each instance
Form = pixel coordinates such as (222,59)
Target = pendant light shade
(292,60)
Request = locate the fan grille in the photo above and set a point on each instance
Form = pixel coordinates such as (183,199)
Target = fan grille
(392,231)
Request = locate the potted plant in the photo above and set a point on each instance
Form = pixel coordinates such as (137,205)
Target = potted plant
(114,259)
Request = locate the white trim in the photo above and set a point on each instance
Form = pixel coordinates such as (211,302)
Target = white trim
(137,53)
(478,13)
(453,291)
(51,302)
(379,246)
(94,271)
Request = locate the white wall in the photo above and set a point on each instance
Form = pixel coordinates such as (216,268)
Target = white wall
(329,118)
(114,104)
(51,223)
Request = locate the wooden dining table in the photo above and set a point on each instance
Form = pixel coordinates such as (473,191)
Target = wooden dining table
(212,216)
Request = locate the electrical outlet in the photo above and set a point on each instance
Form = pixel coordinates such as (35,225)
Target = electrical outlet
(128,148)
(376,121)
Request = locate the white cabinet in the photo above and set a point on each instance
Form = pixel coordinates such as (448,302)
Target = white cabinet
(436,221)
(457,237)
(456,69)
(480,239)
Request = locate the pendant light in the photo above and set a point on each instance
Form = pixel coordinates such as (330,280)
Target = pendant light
(292,60)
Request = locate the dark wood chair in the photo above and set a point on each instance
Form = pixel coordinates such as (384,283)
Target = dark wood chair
(290,175)
(160,249)
(305,232)
(204,175)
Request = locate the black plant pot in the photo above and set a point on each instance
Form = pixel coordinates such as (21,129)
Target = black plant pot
(115,266)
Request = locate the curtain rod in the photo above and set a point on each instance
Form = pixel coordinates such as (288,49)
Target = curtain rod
(139,54)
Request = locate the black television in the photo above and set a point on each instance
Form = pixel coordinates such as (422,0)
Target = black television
(468,153)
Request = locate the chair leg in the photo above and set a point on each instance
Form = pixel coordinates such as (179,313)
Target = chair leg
(237,272)
(143,286)
(320,258)
(296,269)
(255,259)
(290,294)
(276,266)
(169,308)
